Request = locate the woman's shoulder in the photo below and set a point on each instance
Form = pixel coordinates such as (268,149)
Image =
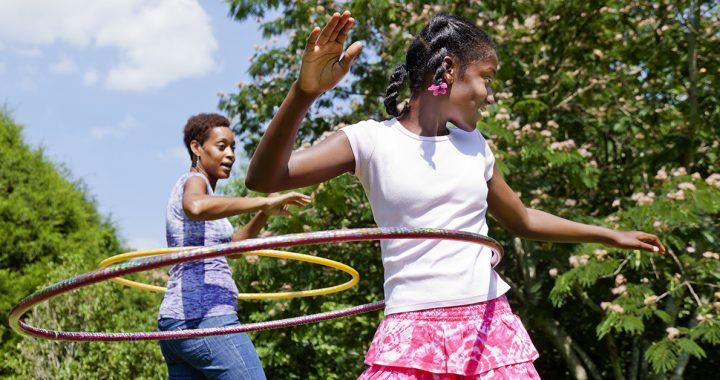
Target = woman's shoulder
(195,176)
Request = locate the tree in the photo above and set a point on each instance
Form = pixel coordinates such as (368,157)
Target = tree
(606,115)
(50,230)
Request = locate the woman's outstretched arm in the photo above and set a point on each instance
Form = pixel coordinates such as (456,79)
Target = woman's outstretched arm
(274,166)
(198,204)
(505,206)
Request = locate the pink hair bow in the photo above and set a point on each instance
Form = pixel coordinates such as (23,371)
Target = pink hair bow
(441,89)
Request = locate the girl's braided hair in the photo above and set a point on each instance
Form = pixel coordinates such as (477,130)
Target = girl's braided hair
(443,36)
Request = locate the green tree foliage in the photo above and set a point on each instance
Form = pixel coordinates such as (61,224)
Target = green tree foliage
(607,113)
(49,231)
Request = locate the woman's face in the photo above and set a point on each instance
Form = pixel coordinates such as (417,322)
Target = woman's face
(217,153)
(470,93)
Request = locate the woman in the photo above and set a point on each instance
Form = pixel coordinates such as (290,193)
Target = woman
(202,294)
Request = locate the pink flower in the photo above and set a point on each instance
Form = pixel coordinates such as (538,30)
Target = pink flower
(436,90)
(619,290)
(620,279)
(651,299)
(672,332)
(686,186)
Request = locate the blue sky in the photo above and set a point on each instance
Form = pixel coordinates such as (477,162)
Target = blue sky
(105,87)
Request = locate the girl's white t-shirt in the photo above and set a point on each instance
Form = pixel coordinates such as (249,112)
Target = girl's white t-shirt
(428,182)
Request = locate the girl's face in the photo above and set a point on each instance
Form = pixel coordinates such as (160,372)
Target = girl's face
(470,93)
(217,153)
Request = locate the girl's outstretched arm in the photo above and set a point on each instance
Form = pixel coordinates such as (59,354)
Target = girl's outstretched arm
(274,166)
(505,206)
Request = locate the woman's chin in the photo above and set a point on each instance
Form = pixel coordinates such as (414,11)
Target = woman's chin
(223,174)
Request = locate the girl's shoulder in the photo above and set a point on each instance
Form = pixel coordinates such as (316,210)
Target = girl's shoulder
(372,123)
(370,126)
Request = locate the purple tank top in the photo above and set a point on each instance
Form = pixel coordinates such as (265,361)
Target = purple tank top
(201,288)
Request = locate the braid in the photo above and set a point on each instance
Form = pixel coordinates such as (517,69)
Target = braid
(437,62)
(393,89)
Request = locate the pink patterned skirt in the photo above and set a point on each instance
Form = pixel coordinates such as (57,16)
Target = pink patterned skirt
(478,341)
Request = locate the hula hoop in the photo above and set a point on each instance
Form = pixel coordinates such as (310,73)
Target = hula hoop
(98,275)
(355,276)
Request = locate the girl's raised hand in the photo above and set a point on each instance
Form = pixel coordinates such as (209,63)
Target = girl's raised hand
(322,68)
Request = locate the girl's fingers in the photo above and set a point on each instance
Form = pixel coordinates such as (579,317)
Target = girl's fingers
(328,29)
(350,54)
(649,247)
(340,25)
(655,243)
(312,39)
(345,30)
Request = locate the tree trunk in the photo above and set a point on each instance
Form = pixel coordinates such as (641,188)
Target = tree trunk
(614,357)
(692,127)
(578,361)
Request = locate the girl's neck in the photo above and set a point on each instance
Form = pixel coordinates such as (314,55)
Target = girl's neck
(424,118)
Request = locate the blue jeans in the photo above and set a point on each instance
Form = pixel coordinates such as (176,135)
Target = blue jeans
(230,356)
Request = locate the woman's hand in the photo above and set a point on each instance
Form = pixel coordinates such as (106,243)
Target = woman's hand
(278,204)
(322,68)
(637,240)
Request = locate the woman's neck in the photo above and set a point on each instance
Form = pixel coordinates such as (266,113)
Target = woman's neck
(211,180)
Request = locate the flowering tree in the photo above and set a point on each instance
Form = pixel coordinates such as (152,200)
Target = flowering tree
(606,114)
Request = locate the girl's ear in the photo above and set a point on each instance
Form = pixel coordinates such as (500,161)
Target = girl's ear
(451,70)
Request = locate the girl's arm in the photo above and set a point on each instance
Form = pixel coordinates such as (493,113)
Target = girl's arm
(274,166)
(197,204)
(505,206)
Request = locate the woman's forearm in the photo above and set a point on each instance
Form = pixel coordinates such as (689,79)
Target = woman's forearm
(252,228)
(211,207)
(269,164)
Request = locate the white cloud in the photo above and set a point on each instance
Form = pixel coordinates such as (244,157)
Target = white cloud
(157,41)
(26,79)
(32,52)
(90,77)
(65,65)
(178,157)
(141,244)
(174,154)
(126,124)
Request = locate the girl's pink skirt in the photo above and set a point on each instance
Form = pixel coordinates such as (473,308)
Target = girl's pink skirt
(479,341)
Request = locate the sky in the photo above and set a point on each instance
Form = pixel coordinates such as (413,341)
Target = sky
(105,87)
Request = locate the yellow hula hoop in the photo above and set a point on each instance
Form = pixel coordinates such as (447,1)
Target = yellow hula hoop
(243,296)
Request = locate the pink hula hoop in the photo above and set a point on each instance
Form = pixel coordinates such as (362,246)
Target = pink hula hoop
(363,234)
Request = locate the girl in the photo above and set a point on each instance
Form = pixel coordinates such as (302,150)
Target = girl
(202,293)
(446,313)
